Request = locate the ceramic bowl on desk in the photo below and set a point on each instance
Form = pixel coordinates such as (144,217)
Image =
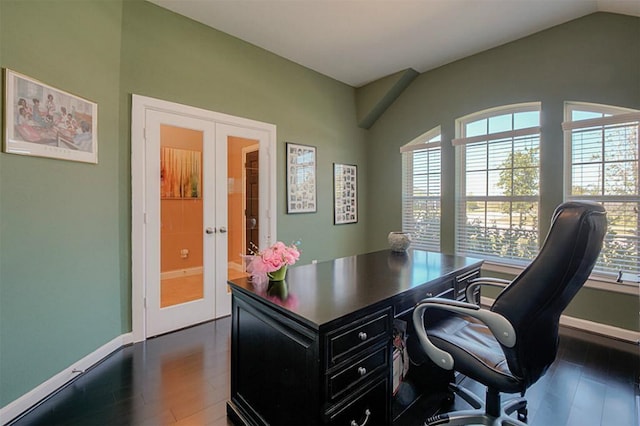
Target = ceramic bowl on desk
(399,241)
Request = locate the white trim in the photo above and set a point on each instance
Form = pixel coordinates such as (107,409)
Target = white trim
(615,116)
(37,394)
(597,282)
(509,134)
(571,106)
(42,391)
(602,329)
(589,326)
(630,118)
(416,147)
(177,273)
(509,109)
(140,104)
(138,217)
(424,141)
(410,162)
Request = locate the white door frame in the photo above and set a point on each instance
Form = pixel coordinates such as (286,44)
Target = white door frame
(140,104)
(162,319)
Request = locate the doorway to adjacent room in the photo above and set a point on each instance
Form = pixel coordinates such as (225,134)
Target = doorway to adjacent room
(203,196)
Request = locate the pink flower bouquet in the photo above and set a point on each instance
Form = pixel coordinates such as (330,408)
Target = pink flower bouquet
(270,260)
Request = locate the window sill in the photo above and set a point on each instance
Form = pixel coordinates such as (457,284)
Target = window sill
(599,283)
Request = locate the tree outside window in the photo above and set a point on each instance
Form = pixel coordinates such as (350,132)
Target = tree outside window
(602,164)
(499,172)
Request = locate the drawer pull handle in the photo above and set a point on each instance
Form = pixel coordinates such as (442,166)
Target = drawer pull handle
(362,336)
(367,413)
(362,371)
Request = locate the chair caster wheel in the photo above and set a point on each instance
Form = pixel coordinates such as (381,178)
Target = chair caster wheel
(522,414)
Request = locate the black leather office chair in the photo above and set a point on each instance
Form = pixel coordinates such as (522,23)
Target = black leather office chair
(510,346)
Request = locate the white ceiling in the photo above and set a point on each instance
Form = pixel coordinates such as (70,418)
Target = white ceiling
(359,41)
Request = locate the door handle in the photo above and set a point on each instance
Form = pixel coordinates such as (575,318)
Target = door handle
(222,229)
(211,230)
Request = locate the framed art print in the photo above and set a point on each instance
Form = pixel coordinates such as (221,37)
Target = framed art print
(43,121)
(345,193)
(301,179)
(180,173)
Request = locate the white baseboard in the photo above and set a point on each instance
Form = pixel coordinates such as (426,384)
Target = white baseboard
(601,329)
(177,273)
(590,326)
(34,396)
(31,398)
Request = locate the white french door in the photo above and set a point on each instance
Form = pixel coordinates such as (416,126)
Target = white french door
(182,221)
(189,195)
(233,142)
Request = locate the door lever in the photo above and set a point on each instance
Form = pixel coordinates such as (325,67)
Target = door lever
(222,229)
(211,230)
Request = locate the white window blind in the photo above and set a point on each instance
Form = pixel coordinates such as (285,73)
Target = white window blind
(498,186)
(421,209)
(601,164)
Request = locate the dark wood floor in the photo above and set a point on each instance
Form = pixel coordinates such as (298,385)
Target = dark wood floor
(182,378)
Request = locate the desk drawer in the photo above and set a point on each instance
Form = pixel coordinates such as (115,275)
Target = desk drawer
(371,407)
(408,301)
(358,372)
(358,335)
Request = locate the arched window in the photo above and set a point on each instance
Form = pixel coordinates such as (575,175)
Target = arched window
(498,152)
(421,205)
(601,164)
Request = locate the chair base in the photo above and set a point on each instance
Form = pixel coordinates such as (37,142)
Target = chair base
(493,414)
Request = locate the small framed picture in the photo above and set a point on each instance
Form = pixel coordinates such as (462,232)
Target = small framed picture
(43,121)
(345,193)
(301,179)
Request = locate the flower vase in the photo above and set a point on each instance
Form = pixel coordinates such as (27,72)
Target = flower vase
(278,290)
(278,275)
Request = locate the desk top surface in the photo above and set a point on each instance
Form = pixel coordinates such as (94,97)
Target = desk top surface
(325,291)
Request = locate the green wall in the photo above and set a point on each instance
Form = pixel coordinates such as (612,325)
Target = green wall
(65,280)
(61,263)
(192,64)
(592,59)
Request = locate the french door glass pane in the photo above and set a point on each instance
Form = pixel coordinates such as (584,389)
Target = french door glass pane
(243,210)
(181,215)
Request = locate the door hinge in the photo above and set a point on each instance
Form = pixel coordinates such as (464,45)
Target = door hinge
(144,218)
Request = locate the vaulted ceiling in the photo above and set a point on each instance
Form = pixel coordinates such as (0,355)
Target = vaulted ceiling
(359,41)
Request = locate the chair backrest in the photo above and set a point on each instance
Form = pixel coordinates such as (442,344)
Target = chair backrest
(535,299)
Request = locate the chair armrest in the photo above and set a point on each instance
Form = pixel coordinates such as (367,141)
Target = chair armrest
(499,326)
(488,281)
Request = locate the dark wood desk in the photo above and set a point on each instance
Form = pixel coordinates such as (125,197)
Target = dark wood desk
(317,349)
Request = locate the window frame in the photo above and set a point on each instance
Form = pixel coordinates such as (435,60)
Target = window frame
(461,176)
(428,144)
(608,112)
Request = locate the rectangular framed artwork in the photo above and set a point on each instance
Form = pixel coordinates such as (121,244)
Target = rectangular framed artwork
(180,173)
(43,121)
(301,179)
(345,193)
